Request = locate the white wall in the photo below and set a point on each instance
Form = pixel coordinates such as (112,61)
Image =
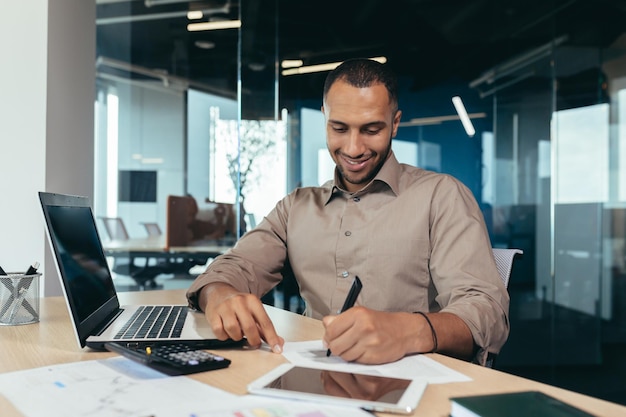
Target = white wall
(46,121)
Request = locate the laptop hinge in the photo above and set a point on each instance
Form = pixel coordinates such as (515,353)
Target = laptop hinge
(110,320)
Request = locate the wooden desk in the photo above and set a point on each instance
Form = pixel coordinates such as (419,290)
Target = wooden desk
(51,341)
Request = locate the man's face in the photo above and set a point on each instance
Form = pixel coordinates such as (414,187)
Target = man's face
(360,123)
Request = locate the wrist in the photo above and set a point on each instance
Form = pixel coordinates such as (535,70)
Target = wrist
(427,335)
(212,293)
(418,335)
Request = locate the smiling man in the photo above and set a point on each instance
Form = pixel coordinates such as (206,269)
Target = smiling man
(416,239)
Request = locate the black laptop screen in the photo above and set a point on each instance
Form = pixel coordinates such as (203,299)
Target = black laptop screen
(89,284)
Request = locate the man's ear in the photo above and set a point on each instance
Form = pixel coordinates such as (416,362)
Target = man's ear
(396,123)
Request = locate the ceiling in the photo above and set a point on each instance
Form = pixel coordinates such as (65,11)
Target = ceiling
(427,41)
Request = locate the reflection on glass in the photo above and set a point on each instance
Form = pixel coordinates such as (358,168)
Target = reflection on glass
(252,154)
(342,384)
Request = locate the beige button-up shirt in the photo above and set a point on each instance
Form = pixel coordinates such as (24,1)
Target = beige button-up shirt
(416,239)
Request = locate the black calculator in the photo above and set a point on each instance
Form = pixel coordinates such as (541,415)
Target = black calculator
(170,358)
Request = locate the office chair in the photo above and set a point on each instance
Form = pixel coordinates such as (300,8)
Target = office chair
(115,228)
(152,229)
(143,275)
(504,262)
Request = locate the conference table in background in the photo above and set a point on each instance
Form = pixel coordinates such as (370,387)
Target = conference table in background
(52,341)
(152,256)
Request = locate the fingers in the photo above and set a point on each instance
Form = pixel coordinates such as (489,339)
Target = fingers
(366,336)
(237,315)
(341,336)
(268,332)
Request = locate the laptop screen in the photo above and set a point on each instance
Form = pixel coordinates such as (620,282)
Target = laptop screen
(81,263)
(84,267)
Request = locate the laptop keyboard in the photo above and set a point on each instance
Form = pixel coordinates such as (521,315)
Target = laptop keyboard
(154,322)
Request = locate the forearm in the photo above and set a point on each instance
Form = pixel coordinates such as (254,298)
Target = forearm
(449,335)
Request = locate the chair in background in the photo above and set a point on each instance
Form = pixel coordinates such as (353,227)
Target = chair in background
(504,262)
(153,229)
(142,274)
(115,228)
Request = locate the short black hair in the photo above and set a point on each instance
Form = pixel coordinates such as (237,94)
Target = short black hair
(362,73)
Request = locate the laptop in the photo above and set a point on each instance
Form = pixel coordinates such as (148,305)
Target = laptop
(95,311)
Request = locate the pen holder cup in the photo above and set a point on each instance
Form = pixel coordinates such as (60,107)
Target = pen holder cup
(19,299)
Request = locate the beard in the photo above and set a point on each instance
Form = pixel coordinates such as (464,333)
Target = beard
(360,179)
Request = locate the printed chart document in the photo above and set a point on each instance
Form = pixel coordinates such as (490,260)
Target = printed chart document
(119,387)
(312,354)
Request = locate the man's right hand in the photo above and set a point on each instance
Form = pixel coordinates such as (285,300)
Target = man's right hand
(233,315)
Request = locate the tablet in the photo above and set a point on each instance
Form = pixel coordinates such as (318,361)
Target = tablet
(370,392)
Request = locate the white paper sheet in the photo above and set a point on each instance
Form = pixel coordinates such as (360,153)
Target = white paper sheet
(312,354)
(287,408)
(118,387)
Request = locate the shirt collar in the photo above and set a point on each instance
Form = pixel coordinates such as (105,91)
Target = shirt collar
(388,177)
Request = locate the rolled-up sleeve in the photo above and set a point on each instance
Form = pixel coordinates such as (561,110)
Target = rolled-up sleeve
(463,268)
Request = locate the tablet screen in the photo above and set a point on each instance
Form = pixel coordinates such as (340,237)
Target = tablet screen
(372,392)
(342,384)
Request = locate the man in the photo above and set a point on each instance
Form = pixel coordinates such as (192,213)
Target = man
(416,239)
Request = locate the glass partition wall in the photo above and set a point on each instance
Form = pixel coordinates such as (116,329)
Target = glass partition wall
(205,125)
(546,165)
(554,169)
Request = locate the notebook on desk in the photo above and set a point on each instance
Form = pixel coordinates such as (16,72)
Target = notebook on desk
(87,284)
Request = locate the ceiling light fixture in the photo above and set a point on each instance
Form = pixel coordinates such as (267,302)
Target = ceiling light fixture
(217,25)
(460,109)
(437,120)
(195,14)
(291,63)
(322,67)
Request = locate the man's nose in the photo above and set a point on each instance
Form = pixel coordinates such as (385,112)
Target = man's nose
(356,145)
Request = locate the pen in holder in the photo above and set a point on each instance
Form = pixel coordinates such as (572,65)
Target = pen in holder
(19,298)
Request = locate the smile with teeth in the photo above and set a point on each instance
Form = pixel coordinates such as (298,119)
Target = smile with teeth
(355,164)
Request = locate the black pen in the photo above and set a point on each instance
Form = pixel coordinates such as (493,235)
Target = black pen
(32,269)
(350,299)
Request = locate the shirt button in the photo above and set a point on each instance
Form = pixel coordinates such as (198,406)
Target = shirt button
(345,274)
(348,233)
(356,199)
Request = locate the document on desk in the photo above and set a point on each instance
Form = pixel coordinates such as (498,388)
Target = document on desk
(118,387)
(288,408)
(312,354)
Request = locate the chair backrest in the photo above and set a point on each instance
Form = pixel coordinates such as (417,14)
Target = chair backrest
(153,229)
(504,262)
(115,228)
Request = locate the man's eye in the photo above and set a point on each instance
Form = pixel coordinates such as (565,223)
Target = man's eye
(339,129)
(372,131)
